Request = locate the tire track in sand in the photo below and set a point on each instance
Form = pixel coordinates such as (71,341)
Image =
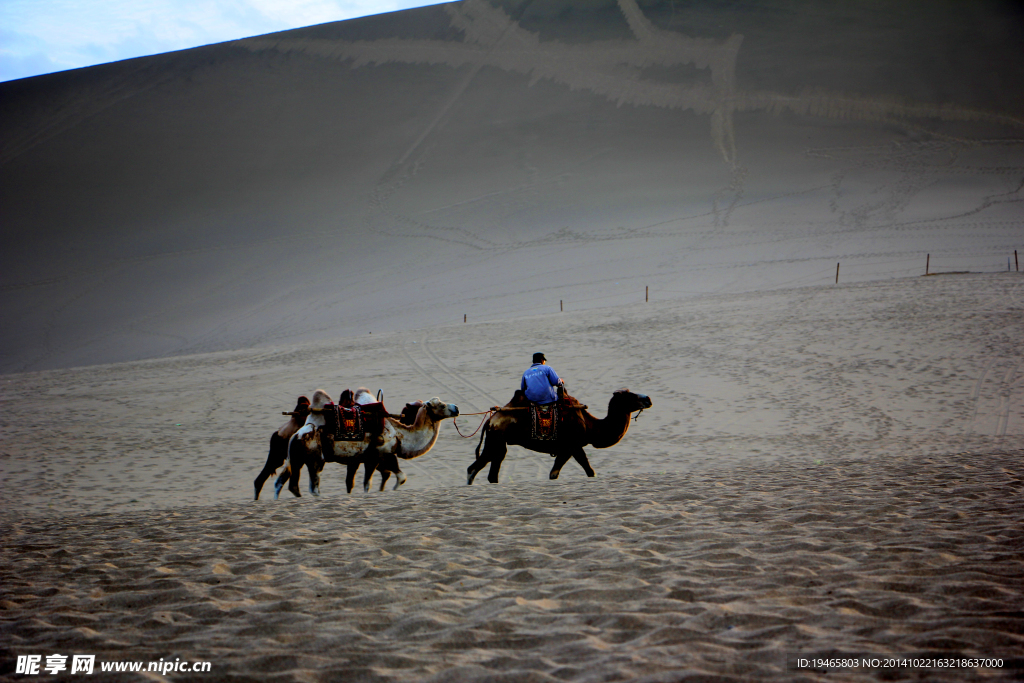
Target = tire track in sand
(1006,395)
(1001,394)
(431,378)
(457,375)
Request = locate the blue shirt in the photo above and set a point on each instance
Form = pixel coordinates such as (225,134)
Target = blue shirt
(539,383)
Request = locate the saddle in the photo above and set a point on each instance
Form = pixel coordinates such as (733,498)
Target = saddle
(544,419)
(544,422)
(346,420)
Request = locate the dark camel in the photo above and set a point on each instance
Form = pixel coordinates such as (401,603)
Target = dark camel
(577,429)
(279,443)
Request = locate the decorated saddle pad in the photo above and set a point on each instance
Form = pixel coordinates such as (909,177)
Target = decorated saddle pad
(544,421)
(344,424)
(353,424)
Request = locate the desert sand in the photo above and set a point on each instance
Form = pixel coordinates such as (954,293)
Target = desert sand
(824,470)
(793,226)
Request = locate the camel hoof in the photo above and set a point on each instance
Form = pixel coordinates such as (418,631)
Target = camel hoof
(399,480)
(553,475)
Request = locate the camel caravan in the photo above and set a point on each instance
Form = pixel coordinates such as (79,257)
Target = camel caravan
(358,431)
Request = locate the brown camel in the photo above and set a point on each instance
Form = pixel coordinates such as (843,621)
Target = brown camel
(578,428)
(279,442)
(398,440)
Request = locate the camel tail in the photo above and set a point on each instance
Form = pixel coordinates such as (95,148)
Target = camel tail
(483,433)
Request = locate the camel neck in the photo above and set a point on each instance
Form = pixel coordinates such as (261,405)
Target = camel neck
(609,431)
(420,437)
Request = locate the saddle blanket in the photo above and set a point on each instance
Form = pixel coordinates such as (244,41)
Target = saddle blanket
(544,422)
(352,424)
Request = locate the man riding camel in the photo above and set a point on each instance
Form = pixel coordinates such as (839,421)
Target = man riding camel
(540,381)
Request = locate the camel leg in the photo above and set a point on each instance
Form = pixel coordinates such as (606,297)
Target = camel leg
(293,483)
(384,476)
(275,458)
(581,457)
(281,481)
(494,451)
(491,449)
(389,463)
(297,457)
(350,474)
(315,466)
(560,460)
(474,469)
(370,463)
(480,461)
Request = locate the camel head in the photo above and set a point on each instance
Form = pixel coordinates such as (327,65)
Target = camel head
(626,400)
(437,410)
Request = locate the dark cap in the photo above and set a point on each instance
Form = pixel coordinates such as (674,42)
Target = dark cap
(538,357)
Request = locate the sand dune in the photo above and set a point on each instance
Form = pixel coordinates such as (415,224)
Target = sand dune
(491,160)
(726,207)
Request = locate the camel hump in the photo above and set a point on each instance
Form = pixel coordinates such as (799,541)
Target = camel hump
(567,400)
(320,399)
(519,400)
(409,412)
(359,397)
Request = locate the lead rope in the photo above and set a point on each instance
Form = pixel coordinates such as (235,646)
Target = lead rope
(487,414)
(637,416)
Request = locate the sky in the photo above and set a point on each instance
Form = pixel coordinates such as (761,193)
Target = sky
(44,36)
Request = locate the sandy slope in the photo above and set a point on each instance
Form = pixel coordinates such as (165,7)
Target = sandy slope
(920,366)
(490,160)
(192,240)
(830,469)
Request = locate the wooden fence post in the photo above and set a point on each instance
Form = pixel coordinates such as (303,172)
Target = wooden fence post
(561,308)
(647,293)
(927,263)
(837,273)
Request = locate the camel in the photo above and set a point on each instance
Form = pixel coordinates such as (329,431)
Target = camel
(405,440)
(578,428)
(314,421)
(279,443)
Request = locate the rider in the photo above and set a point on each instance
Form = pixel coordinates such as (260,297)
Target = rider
(540,380)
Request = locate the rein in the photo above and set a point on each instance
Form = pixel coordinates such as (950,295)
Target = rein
(486,414)
(497,409)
